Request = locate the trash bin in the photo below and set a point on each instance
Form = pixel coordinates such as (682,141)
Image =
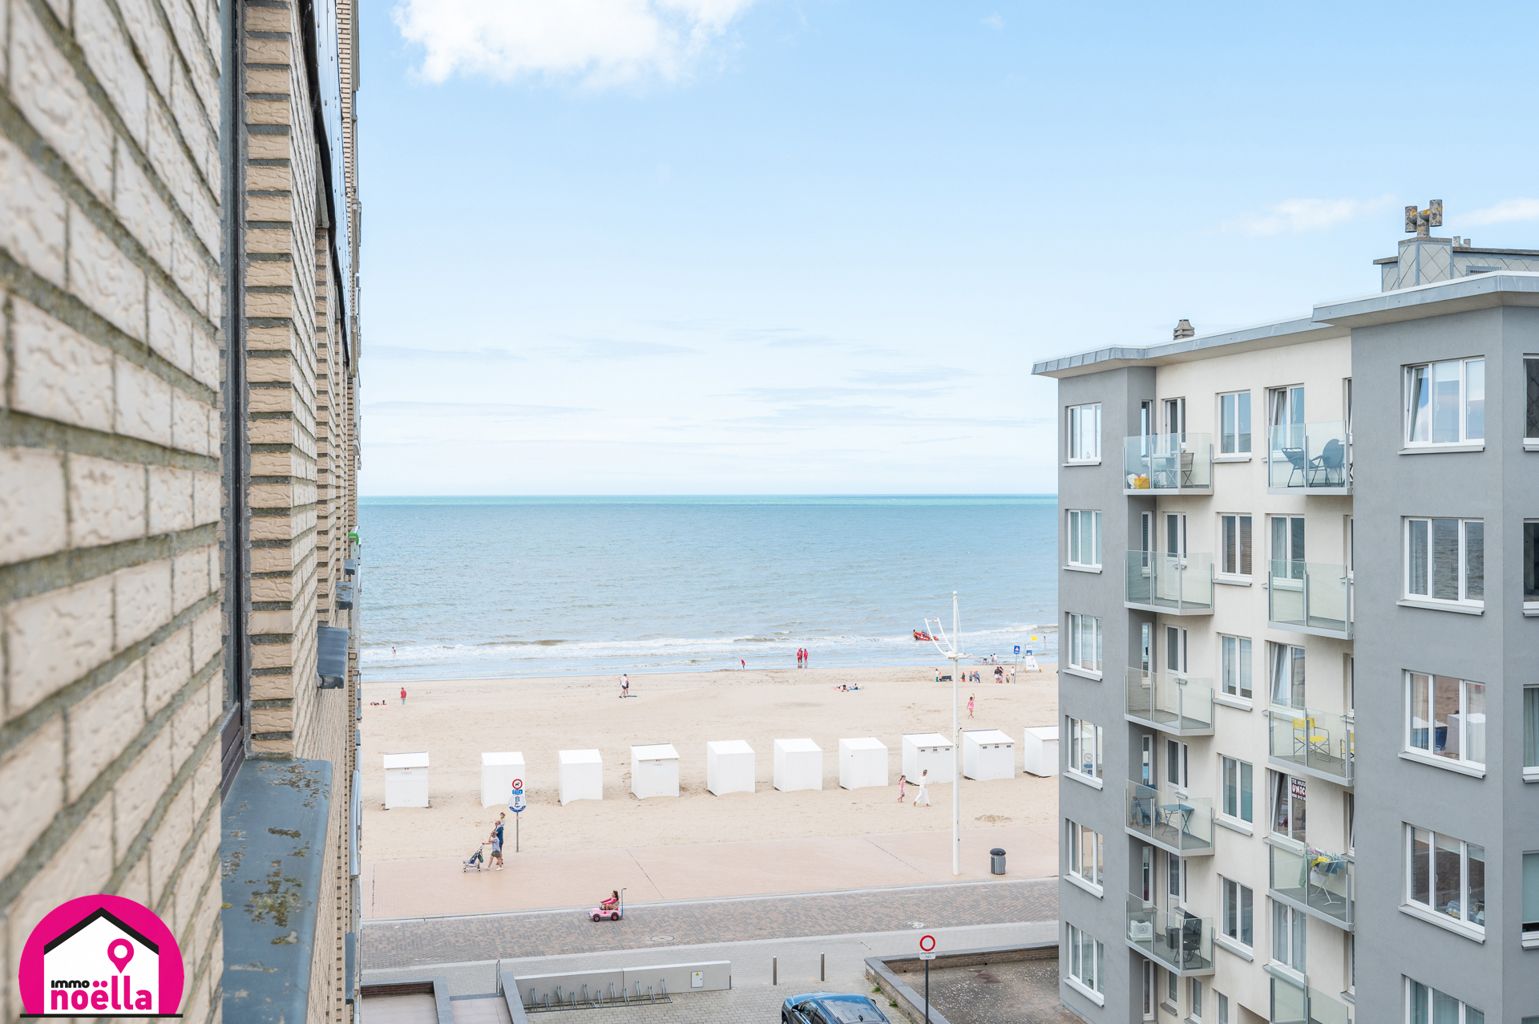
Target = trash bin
(996,861)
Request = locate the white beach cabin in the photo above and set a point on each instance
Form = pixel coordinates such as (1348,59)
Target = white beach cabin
(988,754)
(579,775)
(929,751)
(406,780)
(1040,747)
(654,770)
(798,765)
(862,763)
(498,770)
(729,767)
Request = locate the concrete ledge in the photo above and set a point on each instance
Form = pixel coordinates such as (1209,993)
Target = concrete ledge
(882,972)
(433,986)
(612,987)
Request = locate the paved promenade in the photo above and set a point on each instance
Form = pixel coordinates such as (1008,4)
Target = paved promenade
(571,880)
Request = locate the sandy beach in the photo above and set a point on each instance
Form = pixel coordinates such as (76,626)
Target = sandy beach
(456,721)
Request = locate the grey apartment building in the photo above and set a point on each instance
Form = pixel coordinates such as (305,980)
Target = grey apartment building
(1299,659)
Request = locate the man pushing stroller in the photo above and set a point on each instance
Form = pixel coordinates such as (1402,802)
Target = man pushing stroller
(494,840)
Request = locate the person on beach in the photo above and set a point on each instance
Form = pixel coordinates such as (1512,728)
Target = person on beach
(923,796)
(902,786)
(496,840)
(806,657)
(403,695)
(969,705)
(625,685)
(742,663)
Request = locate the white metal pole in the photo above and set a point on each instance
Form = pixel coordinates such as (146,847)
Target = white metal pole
(956,739)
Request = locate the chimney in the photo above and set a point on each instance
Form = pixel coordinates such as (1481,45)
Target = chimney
(1183,329)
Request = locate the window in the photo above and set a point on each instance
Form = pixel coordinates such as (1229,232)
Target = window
(1446,717)
(1287,547)
(1194,989)
(1175,534)
(1446,876)
(1287,674)
(1171,983)
(1234,423)
(1084,433)
(1445,402)
(1445,560)
(1084,538)
(1234,665)
(1234,540)
(1177,763)
(1084,748)
(1426,1005)
(1288,931)
(1174,412)
(1531,897)
(1085,853)
(1290,801)
(1084,642)
(1239,913)
(1531,390)
(1223,1008)
(1238,782)
(1531,729)
(1285,416)
(1085,955)
(1175,650)
(1150,991)
(1531,562)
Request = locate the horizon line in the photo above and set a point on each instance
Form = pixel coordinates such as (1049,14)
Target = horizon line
(742,494)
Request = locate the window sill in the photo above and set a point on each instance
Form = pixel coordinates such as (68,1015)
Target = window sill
(1232,581)
(1530,941)
(1442,606)
(1473,932)
(1084,990)
(1229,945)
(1234,825)
(1084,780)
(1531,774)
(1433,761)
(1530,611)
(1238,703)
(1233,457)
(1530,445)
(1088,886)
(1435,449)
(1071,463)
(1083,673)
(1071,567)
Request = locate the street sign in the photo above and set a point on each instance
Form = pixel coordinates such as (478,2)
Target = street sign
(927,956)
(927,944)
(1017,648)
(516,800)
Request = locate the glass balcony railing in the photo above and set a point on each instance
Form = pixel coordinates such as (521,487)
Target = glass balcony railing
(1305,457)
(1174,939)
(1293,1003)
(1318,743)
(1167,464)
(1311,597)
(1175,822)
(1316,881)
(1174,704)
(1174,584)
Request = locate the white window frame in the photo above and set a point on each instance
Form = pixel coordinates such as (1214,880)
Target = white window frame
(1281,791)
(1465,916)
(1194,997)
(1289,661)
(1290,931)
(1080,943)
(1408,403)
(1078,521)
(1242,528)
(1082,433)
(1531,401)
(1530,734)
(1074,749)
(1178,763)
(1229,443)
(1528,905)
(1244,775)
(1079,837)
(1410,525)
(1236,666)
(1175,649)
(1467,1013)
(1238,898)
(1460,740)
(1085,630)
(1287,565)
(1530,565)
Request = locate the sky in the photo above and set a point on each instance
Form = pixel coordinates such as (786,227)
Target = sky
(815,246)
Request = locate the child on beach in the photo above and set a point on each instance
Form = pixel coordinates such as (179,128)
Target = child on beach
(902,787)
(625,684)
(969,705)
(923,796)
(403,696)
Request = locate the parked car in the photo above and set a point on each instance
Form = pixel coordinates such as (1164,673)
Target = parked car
(830,1008)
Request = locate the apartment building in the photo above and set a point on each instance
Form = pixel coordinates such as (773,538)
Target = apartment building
(179,351)
(1299,659)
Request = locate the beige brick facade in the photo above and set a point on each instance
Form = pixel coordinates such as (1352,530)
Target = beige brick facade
(114,351)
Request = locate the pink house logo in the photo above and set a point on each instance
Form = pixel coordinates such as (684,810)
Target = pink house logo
(105,956)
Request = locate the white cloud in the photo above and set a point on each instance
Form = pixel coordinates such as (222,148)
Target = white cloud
(1296,216)
(1504,212)
(995,21)
(598,42)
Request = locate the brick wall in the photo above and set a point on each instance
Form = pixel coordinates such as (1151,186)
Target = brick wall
(111,683)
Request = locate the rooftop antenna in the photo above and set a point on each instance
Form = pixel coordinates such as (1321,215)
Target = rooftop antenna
(950,648)
(1421,221)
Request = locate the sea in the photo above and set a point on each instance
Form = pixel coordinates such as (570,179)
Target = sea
(491,587)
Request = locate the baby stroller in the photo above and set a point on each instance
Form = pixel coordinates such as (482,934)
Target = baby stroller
(477,859)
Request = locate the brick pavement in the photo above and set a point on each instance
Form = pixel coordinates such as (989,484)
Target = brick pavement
(425,941)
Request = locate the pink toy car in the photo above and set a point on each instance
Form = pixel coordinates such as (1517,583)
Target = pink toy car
(611,909)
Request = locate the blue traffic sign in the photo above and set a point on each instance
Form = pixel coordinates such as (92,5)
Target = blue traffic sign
(516,802)
(1017,648)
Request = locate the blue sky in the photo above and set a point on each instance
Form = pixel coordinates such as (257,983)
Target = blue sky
(805,246)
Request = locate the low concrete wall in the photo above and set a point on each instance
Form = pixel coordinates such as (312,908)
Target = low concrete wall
(882,972)
(634,982)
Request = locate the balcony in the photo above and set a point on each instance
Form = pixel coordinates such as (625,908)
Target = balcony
(1174,704)
(1310,458)
(1318,743)
(1170,584)
(1296,1003)
(1176,940)
(1175,822)
(1167,464)
(1318,882)
(1310,597)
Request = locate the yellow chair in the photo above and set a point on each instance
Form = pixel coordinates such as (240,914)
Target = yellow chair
(1309,738)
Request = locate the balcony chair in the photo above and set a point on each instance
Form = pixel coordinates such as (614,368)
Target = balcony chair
(1332,462)
(1298,464)
(1309,738)
(1191,941)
